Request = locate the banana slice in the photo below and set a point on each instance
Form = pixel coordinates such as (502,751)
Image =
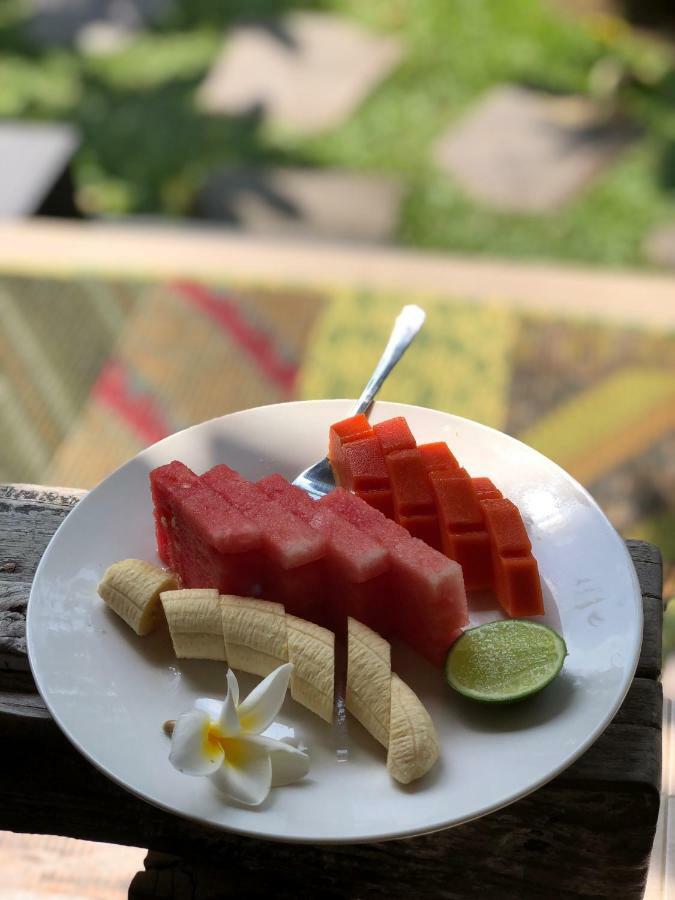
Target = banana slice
(413,742)
(368,695)
(311,649)
(255,634)
(131,588)
(195,623)
(387,707)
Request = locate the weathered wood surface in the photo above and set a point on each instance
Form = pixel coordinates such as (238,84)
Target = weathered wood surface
(588,833)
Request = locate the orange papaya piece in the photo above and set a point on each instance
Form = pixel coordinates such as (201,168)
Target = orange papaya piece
(394,434)
(517,581)
(506,528)
(457,506)
(410,484)
(364,465)
(438,456)
(518,586)
(342,433)
(423,526)
(380,499)
(485,489)
(472,550)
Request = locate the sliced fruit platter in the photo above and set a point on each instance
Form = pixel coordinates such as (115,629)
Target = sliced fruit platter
(367,599)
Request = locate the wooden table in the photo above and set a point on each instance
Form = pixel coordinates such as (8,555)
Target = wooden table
(588,833)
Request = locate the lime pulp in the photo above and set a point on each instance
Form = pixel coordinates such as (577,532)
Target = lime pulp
(505,660)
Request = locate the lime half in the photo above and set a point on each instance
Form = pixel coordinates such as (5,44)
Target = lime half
(504,661)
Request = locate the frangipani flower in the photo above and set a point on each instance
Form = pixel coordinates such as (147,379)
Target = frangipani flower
(224,740)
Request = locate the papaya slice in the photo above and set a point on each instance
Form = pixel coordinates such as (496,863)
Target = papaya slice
(394,434)
(438,456)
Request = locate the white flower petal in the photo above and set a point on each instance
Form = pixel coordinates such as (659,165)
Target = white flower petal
(211,707)
(289,764)
(281,732)
(261,706)
(228,721)
(233,686)
(191,750)
(246,773)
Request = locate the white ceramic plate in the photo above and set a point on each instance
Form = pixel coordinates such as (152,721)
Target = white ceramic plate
(110,691)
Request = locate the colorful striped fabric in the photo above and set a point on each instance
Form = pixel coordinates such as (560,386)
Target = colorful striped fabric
(93,370)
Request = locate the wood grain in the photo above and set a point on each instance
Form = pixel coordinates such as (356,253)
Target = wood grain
(586,834)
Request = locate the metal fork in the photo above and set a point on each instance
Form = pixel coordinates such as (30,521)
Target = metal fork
(318,479)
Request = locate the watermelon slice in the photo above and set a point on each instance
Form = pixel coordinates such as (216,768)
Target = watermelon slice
(356,563)
(342,433)
(437,456)
(517,581)
(394,434)
(358,557)
(205,541)
(287,540)
(427,603)
(463,531)
(291,568)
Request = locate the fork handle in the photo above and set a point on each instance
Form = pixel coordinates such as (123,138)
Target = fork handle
(407,324)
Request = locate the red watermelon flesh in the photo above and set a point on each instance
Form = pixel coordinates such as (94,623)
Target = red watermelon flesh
(162,512)
(287,540)
(291,569)
(293,498)
(206,542)
(354,562)
(437,456)
(394,434)
(428,601)
(370,602)
(303,590)
(356,556)
(342,433)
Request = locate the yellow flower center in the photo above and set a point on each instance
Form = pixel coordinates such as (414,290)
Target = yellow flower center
(232,748)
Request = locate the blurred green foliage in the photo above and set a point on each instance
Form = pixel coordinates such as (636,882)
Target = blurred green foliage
(146,148)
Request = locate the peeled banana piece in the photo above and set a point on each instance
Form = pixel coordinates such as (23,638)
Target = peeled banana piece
(255,634)
(311,649)
(368,695)
(413,742)
(195,623)
(387,707)
(131,588)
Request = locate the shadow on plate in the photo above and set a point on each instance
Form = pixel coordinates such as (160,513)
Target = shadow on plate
(531,712)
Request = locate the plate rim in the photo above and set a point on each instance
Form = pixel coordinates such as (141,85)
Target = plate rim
(399,834)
